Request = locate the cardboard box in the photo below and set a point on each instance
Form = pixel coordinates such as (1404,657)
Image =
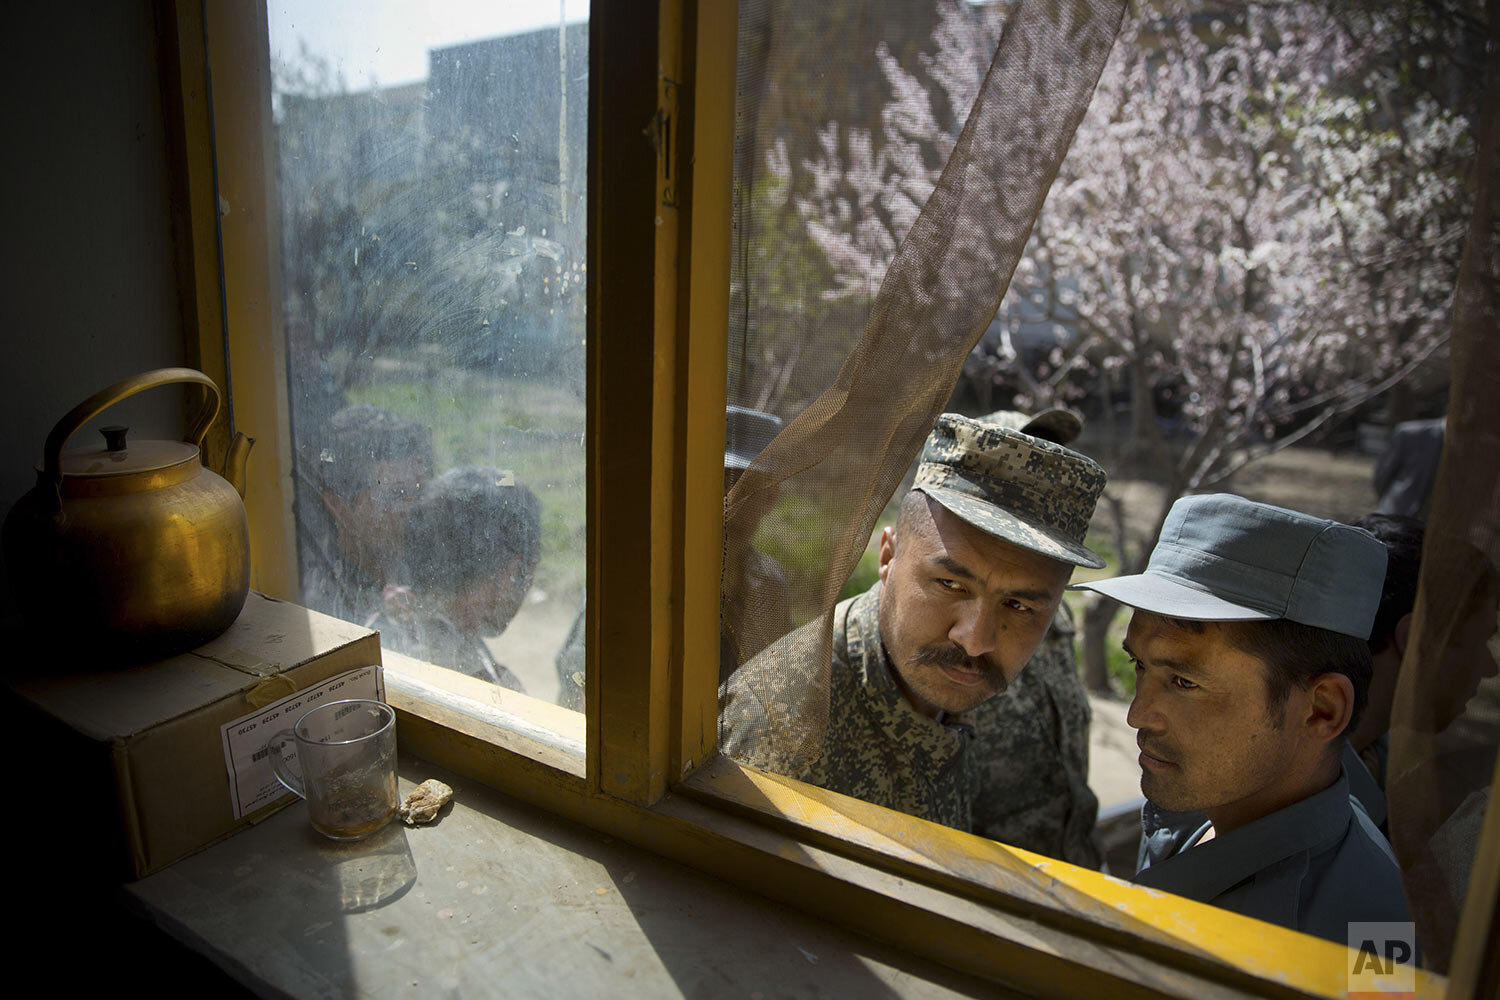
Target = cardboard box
(132,760)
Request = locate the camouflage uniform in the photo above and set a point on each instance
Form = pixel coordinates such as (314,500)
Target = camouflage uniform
(1021,489)
(1030,758)
(1013,769)
(878,748)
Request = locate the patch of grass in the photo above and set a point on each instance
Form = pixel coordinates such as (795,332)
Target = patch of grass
(535,429)
(795,533)
(1120,669)
(1117,663)
(866,572)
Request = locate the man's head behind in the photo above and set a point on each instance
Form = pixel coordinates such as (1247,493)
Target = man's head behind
(1249,640)
(475,538)
(979,558)
(1054,424)
(1402,538)
(361,440)
(370,471)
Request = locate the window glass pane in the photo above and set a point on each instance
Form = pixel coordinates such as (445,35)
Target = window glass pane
(1237,276)
(431,166)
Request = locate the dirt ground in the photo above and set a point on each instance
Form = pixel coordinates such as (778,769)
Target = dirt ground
(529,646)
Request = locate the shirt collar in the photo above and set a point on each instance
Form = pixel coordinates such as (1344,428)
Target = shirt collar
(1208,870)
(1362,785)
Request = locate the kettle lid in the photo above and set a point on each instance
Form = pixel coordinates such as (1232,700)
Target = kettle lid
(119,458)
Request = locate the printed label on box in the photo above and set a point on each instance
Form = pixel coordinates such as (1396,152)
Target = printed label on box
(252,783)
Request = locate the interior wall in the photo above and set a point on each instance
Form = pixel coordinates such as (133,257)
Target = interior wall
(88,292)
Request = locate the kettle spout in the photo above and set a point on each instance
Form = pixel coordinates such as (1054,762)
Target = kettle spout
(234,462)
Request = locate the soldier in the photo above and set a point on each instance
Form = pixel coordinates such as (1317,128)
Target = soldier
(755,577)
(1031,743)
(969,582)
(1249,643)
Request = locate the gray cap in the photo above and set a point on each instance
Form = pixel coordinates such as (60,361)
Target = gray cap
(746,432)
(1027,491)
(1224,558)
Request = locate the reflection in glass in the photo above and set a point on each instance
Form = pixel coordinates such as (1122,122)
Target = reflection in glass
(431,176)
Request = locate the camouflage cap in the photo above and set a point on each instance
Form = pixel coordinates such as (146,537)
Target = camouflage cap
(1030,492)
(1053,424)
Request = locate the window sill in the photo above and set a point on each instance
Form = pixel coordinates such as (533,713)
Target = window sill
(540,730)
(498,899)
(1000,913)
(1125,926)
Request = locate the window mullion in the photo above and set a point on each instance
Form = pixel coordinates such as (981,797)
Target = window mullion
(632,345)
(184,72)
(706,107)
(249,234)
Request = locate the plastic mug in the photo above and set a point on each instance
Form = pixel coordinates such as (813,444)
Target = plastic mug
(345,766)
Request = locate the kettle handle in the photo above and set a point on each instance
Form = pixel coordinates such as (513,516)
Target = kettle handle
(105,398)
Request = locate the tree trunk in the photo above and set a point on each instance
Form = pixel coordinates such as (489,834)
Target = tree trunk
(1098,615)
(1400,404)
(1142,412)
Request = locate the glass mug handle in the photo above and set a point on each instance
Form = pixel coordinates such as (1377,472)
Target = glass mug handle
(284,774)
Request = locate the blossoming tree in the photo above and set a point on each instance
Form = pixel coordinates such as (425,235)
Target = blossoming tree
(1256,231)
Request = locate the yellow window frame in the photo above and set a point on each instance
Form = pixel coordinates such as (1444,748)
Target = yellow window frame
(661,86)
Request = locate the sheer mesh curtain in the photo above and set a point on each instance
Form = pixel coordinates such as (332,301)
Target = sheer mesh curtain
(859,381)
(814,494)
(1445,723)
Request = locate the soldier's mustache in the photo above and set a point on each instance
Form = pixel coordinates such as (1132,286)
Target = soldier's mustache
(950,654)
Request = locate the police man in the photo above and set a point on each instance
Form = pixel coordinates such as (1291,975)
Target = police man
(1249,644)
(968,584)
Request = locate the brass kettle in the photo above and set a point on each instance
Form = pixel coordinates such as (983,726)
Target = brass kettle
(134,550)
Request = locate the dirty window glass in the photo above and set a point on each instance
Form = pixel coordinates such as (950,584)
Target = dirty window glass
(1236,269)
(431,162)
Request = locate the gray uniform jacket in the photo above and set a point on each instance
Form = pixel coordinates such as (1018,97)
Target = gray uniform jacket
(1363,786)
(1314,866)
(432,637)
(1407,470)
